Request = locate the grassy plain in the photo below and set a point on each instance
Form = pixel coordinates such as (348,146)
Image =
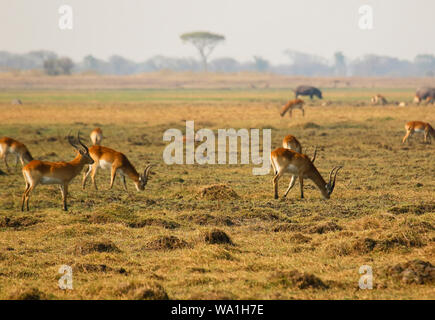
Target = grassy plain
(121,244)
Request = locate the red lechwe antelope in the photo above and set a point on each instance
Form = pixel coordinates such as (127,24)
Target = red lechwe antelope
(11,146)
(292,104)
(106,158)
(96,136)
(61,173)
(379,99)
(290,142)
(299,165)
(419,126)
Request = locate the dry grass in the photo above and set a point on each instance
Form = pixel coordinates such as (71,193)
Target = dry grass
(152,244)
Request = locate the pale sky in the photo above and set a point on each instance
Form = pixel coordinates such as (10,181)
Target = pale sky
(140,29)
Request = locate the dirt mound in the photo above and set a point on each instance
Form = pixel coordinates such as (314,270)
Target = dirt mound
(153,222)
(286,227)
(217,192)
(325,227)
(217,236)
(299,238)
(405,238)
(414,209)
(415,271)
(207,219)
(89,267)
(365,245)
(100,218)
(143,291)
(28,294)
(298,279)
(311,125)
(166,243)
(17,222)
(86,247)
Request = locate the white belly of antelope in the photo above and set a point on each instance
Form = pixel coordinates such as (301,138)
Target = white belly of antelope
(50,180)
(292,169)
(105,164)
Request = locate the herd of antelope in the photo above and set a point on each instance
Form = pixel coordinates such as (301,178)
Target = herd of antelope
(61,173)
(287,159)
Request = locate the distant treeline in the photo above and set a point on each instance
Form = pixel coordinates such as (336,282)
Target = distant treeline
(300,63)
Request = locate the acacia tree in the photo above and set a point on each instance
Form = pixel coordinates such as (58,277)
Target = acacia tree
(205,42)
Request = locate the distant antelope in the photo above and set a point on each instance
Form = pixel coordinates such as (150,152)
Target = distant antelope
(293,104)
(61,173)
(379,99)
(299,165)
(106,158)
(96,136)
(290,142)
(11,146)
(419,126)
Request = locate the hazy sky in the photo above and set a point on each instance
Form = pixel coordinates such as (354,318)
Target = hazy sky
(139,29)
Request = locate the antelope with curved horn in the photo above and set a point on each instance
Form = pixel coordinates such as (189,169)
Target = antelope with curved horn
(299,165)
(61,173)
(96,136)
(419,126)
(292,104)
(106,158)
(11,146)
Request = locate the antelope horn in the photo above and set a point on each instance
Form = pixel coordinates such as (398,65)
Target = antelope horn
(70,140)
(330,175)
(81,143)
(147,170)
(335,176)
(314,155)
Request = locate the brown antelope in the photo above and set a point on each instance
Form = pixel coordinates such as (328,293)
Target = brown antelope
(61,173)
(290,142)
(106,158)
(299,165)
(96,136)
(11,146)
(379,99)
(419,126)
(293,104)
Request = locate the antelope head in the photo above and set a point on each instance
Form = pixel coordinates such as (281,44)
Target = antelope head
(143,178)
(82,149)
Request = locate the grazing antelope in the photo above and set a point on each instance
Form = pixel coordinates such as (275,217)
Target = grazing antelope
(379,99)
(61,173)
(11,146)
(290,142)
(106,158)
(419,126)
(299,165)
(293,104)
(96,136)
